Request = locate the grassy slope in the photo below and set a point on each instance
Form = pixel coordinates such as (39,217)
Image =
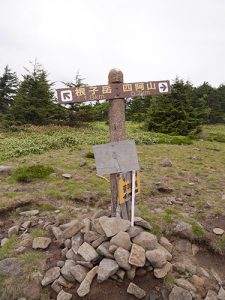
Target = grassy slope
(198,169)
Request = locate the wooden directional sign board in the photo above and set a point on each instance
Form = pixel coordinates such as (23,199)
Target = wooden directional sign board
(125,187)
(113,91)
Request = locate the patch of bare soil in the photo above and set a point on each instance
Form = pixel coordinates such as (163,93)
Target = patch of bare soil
(210,260)
(113,290)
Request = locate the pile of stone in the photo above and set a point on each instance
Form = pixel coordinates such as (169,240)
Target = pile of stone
(106,248)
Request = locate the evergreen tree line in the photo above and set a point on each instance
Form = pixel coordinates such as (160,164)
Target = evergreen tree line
(32,101)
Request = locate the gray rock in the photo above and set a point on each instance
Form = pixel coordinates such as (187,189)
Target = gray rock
(70,254)
(91,236)
(87,252)
(99,241)
(26,224)
(79,272)
(56,286)
(77,241)
(6,170)
(162,272)
(146,240)
(64,296)
(13,231)
(85,286)
(122,258)
(131,273)
(10,266)
(68,243)
(134,231)
(86,264)
(185,284)
(156,257)
(138,221)
(211,295)
(4,241)
(221,294)
(50,276)
(67,176)
(82,163)
(135,290)
(164,242)
(60,263)
(121,274)
(183,230)
(137,256)
(179,293)
(112,248)
(166,163)
(67,225)
(166,252)
(87,225)
(57,232)
(114,225)
(41,243)
(96,226)
(72,230)
(29,213)
(107,268)
(20,250)
(121,239)
(66,270)
(103,250)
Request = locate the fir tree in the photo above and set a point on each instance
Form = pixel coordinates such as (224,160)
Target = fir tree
(178,113)
(8,87)
(33,102)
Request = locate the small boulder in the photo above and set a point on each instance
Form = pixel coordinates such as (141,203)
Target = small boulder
(122,258)
(156,257)
(221,294)
(166,163)
(135,290)
(103,250)
(13,231)
(85,285)
(10,266)
(66,270)
(72,229)
(114,225)
(137,256)
(79,272)
(134,231)
(6,170)
(107,268)
(138,221)
(41,243)
(185,284)
(67,176)
(29,213)
(218,231)
(179,293)
(146,240)
(162,272)
(166,244)
(121,239)
(87,252)
(50,276)
(77,241)
(64,296)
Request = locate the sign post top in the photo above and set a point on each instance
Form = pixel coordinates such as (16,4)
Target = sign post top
(115,76)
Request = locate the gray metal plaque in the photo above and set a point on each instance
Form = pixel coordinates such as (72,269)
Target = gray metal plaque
(117,157)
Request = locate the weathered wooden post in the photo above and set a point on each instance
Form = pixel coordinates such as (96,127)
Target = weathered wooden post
(116,130)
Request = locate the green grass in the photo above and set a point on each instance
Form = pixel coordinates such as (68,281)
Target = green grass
(28,173)
(31,261)
(39,139)
(38,232)
(198,230)
(219,245)
(7,249)
(90,154)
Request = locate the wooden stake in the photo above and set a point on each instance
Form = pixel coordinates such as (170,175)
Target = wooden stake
(116,130)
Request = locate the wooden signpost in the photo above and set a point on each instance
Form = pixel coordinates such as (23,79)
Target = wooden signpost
(116,91)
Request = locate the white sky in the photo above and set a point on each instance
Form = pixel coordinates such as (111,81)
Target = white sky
(146,39)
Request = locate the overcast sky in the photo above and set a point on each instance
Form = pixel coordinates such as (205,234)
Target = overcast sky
(146,39)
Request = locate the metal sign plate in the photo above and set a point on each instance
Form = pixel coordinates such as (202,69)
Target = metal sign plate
(113,91)
(118,157)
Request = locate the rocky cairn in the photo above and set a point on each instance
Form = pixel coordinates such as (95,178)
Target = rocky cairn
(106,248)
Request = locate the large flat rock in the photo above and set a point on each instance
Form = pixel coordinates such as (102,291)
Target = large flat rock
(114,225)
